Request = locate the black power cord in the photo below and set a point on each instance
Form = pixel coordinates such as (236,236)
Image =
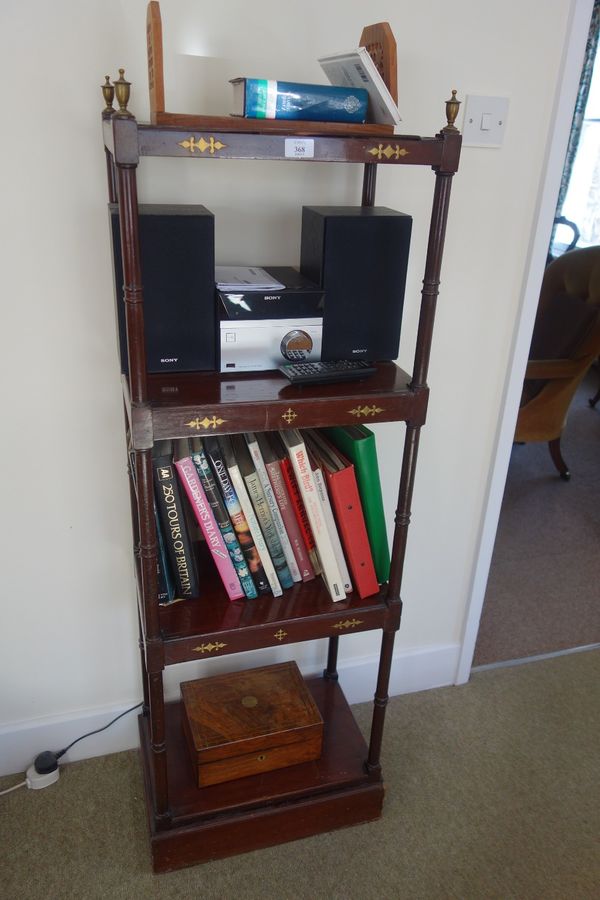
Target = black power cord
(47,761)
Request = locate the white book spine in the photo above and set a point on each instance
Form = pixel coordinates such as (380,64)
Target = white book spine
(257,535)
(332,528)
(308,489)
(261,471)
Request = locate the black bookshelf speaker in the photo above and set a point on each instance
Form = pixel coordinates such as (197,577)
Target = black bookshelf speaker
(359,255)
(177,251)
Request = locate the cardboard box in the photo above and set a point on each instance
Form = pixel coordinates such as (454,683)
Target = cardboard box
(245,723)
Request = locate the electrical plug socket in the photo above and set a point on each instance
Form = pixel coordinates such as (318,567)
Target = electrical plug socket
(38,780)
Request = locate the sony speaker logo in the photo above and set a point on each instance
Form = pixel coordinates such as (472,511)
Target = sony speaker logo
(170,359)
(360,350)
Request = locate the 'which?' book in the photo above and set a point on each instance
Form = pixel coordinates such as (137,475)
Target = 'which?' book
(259,98)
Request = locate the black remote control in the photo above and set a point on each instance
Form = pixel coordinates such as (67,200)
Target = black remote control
(326,372)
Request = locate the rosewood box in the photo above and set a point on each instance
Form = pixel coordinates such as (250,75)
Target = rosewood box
(245,723)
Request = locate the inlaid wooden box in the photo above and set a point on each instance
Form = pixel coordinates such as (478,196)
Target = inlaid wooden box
(245,723)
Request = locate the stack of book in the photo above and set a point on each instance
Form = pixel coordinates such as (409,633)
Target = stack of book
(273,509)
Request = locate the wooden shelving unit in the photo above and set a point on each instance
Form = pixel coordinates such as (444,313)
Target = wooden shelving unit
(187,824)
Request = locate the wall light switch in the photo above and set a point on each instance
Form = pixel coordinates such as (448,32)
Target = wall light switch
(484,121)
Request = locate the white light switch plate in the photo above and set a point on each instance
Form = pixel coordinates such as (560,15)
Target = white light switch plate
(484,121)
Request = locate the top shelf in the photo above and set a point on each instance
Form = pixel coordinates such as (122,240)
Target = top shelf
(223,137)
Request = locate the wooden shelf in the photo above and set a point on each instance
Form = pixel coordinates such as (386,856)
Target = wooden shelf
(212,625)
(184,405)
(127,141)
(284,127)
(262,810)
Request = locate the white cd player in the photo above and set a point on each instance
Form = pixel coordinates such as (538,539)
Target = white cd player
(260,330)
(259,345)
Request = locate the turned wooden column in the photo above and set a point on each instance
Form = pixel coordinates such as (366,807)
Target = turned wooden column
(431,281)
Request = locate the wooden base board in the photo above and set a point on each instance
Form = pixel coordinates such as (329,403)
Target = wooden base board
(262,810)
(261,828)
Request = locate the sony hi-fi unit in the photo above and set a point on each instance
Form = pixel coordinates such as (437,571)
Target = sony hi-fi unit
(177,249)
(260,329)
(359,256)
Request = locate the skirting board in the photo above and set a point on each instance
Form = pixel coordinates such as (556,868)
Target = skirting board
(412,670)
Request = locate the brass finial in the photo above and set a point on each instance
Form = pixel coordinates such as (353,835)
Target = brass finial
(122,93)
(109,95)
(452,107)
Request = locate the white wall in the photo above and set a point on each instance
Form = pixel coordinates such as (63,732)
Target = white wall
(69,635)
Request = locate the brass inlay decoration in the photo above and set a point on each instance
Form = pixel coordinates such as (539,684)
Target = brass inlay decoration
(360,411)
(209,648)
(202,145)
(348,623)
(389,151)
(289,415)
(280,634)
(206,423)
(249,701)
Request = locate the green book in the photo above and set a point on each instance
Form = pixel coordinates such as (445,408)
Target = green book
(357,442)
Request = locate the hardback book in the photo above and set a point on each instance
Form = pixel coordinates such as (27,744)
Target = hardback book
(355,68)
(289,478)
(219,511)
(299,457)
(212,534)
(238,519)
(260,98)
(357,443)
(239,486)
(345,499)
(330,523)
(284,502)
(166,584)
(171,512)
(261,470)
(261,508)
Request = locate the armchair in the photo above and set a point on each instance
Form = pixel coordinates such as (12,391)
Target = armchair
(565,343)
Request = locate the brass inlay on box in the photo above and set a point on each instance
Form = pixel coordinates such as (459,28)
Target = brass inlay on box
(206,423)
(380,151)
(209,648)
(249,701)
(280,634)
(360,411)
(202,145)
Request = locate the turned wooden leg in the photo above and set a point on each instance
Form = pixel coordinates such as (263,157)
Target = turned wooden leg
(563,469)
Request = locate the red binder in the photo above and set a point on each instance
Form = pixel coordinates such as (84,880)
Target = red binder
(345,499)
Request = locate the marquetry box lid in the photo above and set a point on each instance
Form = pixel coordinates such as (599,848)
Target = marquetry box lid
(245,723)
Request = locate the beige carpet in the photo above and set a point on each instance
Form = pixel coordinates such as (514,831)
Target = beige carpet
(492,792)
(543,592)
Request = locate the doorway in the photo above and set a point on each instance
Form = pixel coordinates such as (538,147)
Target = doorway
(581,11)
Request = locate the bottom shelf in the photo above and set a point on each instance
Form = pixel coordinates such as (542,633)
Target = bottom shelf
(223,820)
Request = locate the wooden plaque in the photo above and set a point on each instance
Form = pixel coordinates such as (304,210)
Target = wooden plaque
(244,723)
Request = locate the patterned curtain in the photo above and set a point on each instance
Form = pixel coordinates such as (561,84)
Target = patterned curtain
(582,97)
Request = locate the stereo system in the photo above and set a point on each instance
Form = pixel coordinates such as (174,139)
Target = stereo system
(262,329)
(345,303)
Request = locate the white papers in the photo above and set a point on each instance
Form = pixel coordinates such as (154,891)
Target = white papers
(355,68)
(246,278)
